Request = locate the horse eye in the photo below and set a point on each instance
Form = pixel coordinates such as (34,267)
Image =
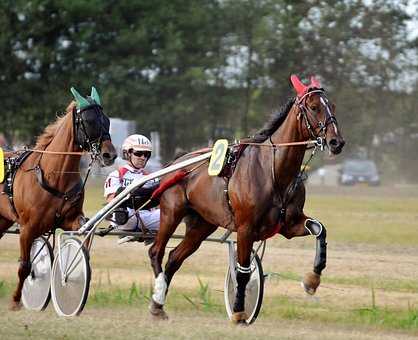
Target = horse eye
(314,108)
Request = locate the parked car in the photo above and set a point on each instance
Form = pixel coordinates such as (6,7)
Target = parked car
(359,171)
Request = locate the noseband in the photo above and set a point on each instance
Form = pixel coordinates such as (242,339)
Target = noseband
(308,114)
(89,143)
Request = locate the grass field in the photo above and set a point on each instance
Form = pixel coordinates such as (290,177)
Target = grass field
(369,289)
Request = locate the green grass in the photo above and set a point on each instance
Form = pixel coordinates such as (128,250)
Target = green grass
(385,317)
(136,294)
(389,284)
(370,219)
(401,319)
(205,300)
(375,224)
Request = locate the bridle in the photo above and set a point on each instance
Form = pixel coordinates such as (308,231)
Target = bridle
(309,116)
(85,140)
(317,130)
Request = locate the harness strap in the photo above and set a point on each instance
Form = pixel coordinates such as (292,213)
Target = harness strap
(73,192)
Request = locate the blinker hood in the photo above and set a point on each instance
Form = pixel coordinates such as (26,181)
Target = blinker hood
(82,102)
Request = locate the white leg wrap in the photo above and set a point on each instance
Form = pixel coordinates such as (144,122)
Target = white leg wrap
(160,288)
(244,270)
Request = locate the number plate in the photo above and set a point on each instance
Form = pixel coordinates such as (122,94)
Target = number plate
(1,166)
(217,159)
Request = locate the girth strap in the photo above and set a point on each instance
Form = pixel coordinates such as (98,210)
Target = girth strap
(74,191)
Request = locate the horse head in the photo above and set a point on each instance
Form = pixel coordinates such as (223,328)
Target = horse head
(317,114)
(91,127)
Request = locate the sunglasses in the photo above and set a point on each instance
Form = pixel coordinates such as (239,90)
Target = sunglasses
(147,154)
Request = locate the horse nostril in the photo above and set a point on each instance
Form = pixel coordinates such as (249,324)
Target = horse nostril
(333,142)
(106,155)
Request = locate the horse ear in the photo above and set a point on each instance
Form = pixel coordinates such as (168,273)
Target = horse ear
(298,85)
(315,83)
(95,95)
(80,100)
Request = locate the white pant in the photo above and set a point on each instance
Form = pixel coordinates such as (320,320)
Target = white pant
(148,219)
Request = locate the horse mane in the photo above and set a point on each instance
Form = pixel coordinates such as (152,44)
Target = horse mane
(275,121)
(50,131)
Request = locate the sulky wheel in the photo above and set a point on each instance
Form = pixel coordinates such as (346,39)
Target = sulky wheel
(36,290)
(70,278)
(253,293)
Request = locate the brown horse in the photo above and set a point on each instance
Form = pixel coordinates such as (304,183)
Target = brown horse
(263,197)
(47,189)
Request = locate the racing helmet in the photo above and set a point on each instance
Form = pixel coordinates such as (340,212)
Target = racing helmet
(136,143)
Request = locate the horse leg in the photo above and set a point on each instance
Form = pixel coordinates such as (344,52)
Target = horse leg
(25,240)
(4,225)
(243,272)
(74,222)
(172,211)
(197,231)
(309,226)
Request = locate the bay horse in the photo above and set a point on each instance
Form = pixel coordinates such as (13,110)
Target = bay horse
(261,198)
(47,190)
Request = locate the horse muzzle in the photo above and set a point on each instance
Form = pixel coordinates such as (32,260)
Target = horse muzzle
(336,145)
(108,153)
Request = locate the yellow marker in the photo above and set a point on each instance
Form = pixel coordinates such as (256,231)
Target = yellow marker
(217,159)
(1,166)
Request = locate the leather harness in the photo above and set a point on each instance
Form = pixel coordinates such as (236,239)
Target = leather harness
(14,163)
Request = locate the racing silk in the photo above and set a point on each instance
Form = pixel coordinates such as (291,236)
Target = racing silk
(124,176)
(137,221)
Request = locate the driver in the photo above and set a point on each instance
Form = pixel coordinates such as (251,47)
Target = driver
(136,150)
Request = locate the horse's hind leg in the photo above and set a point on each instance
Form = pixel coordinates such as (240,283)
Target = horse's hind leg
(305,226)
(197,231)
(26,240)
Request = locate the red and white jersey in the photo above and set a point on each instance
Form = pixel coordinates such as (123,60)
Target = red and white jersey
(122,178)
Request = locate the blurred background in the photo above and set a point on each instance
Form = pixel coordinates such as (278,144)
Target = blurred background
(193,71)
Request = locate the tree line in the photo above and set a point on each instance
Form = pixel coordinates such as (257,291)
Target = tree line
(195,70)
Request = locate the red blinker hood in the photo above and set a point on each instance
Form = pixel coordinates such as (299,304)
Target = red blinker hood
(300,88)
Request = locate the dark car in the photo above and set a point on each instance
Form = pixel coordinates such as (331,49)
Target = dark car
(359,171)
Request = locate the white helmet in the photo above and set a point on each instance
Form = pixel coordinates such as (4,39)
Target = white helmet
(136,143)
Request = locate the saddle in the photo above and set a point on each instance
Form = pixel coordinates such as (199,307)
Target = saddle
(235,152)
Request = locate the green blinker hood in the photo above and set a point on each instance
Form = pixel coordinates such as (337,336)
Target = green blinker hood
(95,96)
(83,102)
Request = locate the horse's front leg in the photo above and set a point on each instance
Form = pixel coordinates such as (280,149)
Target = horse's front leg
(309,226)
(243,272)
(73,222)
(25,240)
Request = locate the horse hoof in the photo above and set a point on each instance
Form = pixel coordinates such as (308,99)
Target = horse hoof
(238,318)
(311,282)
(157,311)
(15,306)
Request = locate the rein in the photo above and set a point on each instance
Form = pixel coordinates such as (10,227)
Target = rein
(272,145)
(73,153)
